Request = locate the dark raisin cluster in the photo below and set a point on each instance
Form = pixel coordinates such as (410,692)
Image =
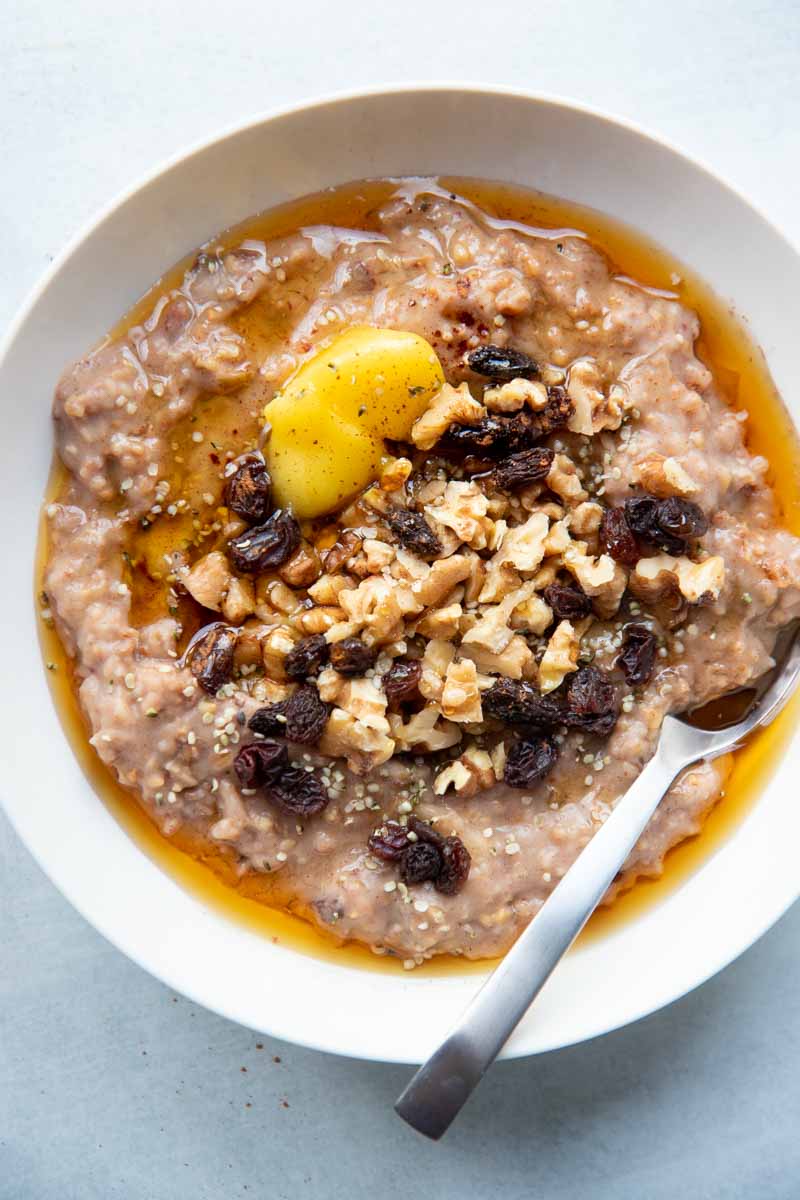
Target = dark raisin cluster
(265,766)
(249,490)
(519,470)
(301,718)
(425,856)
(210,657)
(267,545)
(413,531)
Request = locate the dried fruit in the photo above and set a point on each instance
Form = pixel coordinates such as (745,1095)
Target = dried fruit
(637,657)
(425,832)
(497,436)
(568,602)
(591,701)
(210,656)
(302,717)
(388,841)
(456,862)
(617,538)
(529,760)
(681,518)
(307,657)
(515,702)
(529,466)
(667,524)
(299,792)
(413,531)
(260,763)
(267,545)
(269,721)
(351,656)
(401,681)
(421,862)
(249,491)
(502,363)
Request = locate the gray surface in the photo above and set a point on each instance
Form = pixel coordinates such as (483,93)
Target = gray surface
(109,1085)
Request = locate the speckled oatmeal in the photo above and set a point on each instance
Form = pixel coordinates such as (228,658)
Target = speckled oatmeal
(404,647)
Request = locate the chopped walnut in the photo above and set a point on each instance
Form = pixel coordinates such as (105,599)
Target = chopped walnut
(601,578)
(239,600)
(302,568)
(515,661)
(563,480)
(593,411)
(461,698)
(435,661)
(450,406)
(327,588)
(441,578)
(441,622)
(208,580)
(584,521)
(512,396)
(471,773)
(275,645)
(492,631)
(426,730)
(363,747)
(394,475)
(558,539)
(656,578)
(247,652)
(498,757)
(377,554)
(365,701)
(319,619)
(462,508)
(664,477)
(373,606)
(532,615)
(560,657)
(523,546)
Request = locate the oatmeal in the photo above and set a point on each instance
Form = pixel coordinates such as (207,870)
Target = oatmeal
(382,555)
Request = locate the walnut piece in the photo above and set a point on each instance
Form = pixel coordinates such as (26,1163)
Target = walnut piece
(601,578)
(208,580)
(660,576)
(469,774)
(563,480)
(665,477)
(450,406)
(461,698)
(512,396)
(425,730)
(363,747)
(462,508)
(560,657)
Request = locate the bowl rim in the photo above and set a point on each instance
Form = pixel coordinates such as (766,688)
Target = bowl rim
(714,964)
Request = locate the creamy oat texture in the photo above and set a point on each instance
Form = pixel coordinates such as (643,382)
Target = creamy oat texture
(646,414)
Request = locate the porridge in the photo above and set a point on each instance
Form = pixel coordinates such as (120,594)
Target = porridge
(382,552)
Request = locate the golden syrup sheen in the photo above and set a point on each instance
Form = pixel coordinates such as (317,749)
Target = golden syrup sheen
(742,376)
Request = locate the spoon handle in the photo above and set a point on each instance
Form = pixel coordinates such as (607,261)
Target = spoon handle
(443,1084)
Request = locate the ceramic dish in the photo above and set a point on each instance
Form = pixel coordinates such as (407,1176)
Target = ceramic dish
(557,148)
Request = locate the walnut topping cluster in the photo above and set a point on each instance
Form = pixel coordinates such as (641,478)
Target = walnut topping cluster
(457,598)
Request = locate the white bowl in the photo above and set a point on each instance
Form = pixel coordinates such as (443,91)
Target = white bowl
(556,147)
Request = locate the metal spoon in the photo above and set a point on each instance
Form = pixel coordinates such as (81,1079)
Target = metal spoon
(443,1084)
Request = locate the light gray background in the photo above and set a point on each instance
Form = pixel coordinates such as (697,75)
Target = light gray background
(110,1086)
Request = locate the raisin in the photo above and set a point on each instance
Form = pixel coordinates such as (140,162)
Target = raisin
(352,657)
(456,862)
(497,436)
(269,721)
(637,657)
(591,701)
(388,841)
(515,702)
(568,602)
(529,466)
(210,657)
(307,657)
(306,715)
(260,763)
(413,531)
(267,545)
(666,524)
(299,792)
(300,718)
(529,760)
(425,832)
(502,363)
(401,681)
(420,863)
(681,518)
(617,538)
(249,491)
